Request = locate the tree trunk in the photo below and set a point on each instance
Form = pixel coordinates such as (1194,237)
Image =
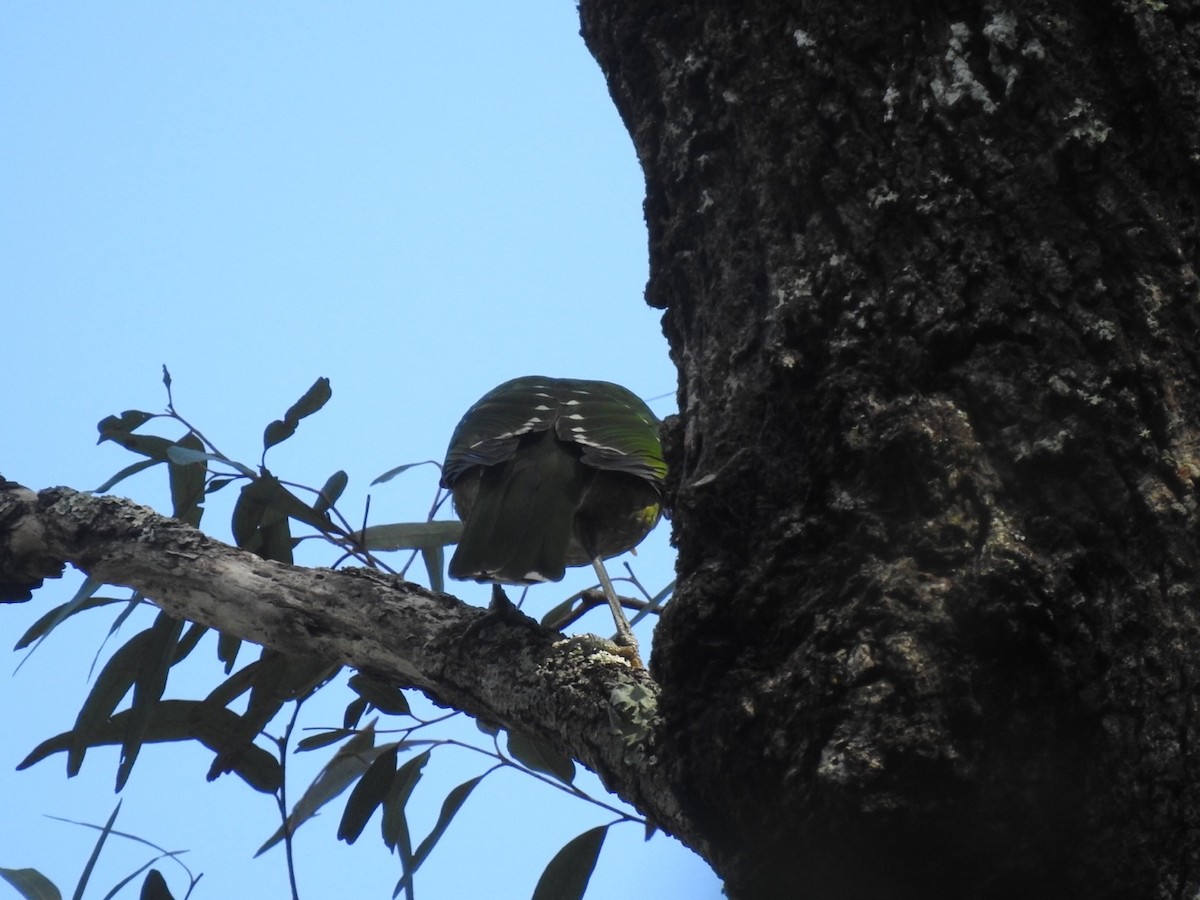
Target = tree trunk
(928,273)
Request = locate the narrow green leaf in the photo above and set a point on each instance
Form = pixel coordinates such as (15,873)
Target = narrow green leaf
(395,825)
(260,521)
(450,806)
(227,650)
(392,473)
(46,623)
(91,863)
(314,398)
(434,559)
(187,480)
(131,604)
(351,760)
(188,642)
(247,516)
(410,535)
(183,455)
(235,685)
(368,794)
(541,757)
(150,445)
(316,741)
(655,602)
(277,679)
(560,611)
(187,455)
(90,586)
(567,875)
(355,710)
(112,684)
(282,429)
(387,698)
(128,421)
(31,884)
(260,518)
(331,491)
(131,469)
(217,483)
(148,686)
(217,728)
(277,432)
(178,720)
(155,887)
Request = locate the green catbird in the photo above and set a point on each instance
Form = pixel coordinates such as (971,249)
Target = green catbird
(553,472)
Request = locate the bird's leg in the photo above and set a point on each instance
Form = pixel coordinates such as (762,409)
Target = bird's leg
(501,609)
(625,639)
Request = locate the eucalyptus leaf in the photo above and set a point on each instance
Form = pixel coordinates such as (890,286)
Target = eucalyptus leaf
(31,884)
(282,429)
(316,741)
(131,469)
(187,480)
(450,807)
(567,875)
(355,710)
(392,473)
(149,683)
(368,794)
(410,535)
(434,559)
(541,757)
(386,698)
(155,887)
(331,491)
(347,765)
(91,863)
(655,602)
(395,824)
(128,421)
(111,686)
(47,622)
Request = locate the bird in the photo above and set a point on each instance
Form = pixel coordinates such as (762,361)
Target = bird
(548,473)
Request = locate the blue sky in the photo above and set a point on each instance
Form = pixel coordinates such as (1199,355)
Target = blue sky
(417,201)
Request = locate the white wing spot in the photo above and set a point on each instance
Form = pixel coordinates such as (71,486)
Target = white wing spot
(570,403)
(576,416)
(542,408)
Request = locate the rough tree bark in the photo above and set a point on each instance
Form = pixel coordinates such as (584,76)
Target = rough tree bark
(929,278)
(928,273)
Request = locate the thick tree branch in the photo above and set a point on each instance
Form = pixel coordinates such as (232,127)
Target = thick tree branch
(566,691)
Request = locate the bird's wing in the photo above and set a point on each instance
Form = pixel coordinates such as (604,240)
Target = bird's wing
(615,428)
(491,429)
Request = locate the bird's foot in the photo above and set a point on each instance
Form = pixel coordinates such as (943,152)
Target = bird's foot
(629,653)
(627,645)
(501,611)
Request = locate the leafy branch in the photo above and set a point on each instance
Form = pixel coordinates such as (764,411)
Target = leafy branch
(383,776)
